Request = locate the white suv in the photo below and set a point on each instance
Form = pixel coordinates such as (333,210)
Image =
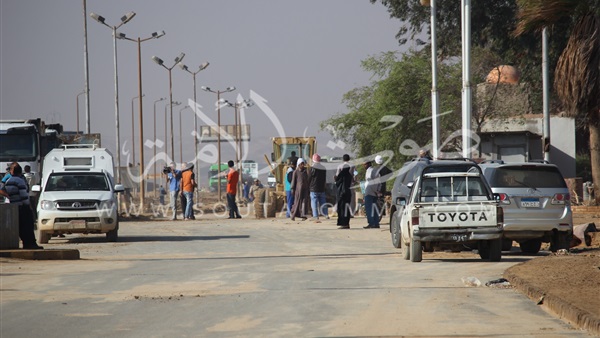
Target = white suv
(536,204)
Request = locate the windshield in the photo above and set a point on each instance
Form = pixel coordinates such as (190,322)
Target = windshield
(300,150)
(22,147)
(527,176)
(77,181)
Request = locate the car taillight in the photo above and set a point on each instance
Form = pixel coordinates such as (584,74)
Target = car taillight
(561,198)
(415,217)
(500,215)
(504,199)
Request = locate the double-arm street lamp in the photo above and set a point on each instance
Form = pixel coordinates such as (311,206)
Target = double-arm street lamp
(139,41)
(218,92)
(185,68)
(238,132)
(180,132)
(77,103)
(173,104)
(160,62)
(154,140)
(124,19)
(133,128)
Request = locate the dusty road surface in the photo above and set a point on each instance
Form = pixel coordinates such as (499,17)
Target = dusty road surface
(222,278)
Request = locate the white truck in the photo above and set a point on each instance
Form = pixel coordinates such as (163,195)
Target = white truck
(449,210)
(78,193)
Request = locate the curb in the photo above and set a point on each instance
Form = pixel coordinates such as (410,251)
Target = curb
(62,254)
(563,309)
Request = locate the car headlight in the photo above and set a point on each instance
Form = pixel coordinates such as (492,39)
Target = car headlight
(107,204)
(48,205)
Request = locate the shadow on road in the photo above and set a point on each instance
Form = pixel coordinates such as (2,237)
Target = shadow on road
(134,239)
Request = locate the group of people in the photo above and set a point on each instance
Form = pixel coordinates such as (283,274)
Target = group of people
(183,182)
(15,187)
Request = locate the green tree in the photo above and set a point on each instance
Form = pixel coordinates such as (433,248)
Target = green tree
(492,21)
(393,112)
(577,73)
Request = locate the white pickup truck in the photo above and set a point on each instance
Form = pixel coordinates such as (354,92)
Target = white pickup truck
(450,210)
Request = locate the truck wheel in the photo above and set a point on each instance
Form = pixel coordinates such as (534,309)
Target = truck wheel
(561,240)
(416,251)
(506,244)
(484,249)
(531,246)
(113,235)
(395,230)
(43,237)
(495,250)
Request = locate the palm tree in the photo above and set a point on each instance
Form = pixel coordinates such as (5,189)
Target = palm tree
(577,73)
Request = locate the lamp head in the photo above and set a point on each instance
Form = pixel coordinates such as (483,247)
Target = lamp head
(157,35)
(158,60)
(205,88)
(182,66)
(97,17)
(127,17)
(121,36)
(204,65)
(179,58)
(230,89)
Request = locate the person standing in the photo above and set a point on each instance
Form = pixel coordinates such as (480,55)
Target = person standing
(288,188)
(318,177)
(372,187)
(246,191)
(188,184)
(173,178)
(344,177)
(384,174)
(300,189)
(233,177)
(162,193)
(16,190)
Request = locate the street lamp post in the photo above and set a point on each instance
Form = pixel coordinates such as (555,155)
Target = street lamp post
(139,41)
(154,140)
(124,19)
(185,68)
(133,129)
(180,132)
(160,62)
(238,132)
(77,103)
(218,92)
(176,103)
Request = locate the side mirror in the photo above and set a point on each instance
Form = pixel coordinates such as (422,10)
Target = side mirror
(119,188)
(401,201)
(410,184)
(36,188)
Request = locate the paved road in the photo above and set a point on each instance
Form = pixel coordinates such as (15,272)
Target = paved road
(224,278)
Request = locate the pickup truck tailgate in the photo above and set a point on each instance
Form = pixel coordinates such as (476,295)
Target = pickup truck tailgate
(457,215)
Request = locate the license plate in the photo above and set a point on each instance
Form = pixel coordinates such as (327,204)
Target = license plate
(459,238)
(78,222)
(530,202)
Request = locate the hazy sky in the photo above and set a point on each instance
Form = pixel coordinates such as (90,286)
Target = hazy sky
(300,56)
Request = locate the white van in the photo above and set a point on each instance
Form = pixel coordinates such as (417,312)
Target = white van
(77,193)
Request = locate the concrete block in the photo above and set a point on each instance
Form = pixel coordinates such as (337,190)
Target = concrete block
(9,226)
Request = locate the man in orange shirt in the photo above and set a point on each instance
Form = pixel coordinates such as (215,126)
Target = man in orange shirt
(233,177)
(187,185)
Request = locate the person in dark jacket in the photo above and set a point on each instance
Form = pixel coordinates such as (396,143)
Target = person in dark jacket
(344,177)
(300,189)
(17,192)
(384,173)
(318,177)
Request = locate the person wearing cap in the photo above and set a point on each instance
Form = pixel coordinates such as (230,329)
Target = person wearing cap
(372,187)
(384,174)
(300,189)
(318,176)
(233,177)
(291,166)
(187,186)
(253,189)
(173,178)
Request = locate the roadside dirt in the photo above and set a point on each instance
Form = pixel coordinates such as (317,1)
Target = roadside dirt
(567,284)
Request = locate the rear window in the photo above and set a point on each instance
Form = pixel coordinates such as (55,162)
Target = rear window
(526,176)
